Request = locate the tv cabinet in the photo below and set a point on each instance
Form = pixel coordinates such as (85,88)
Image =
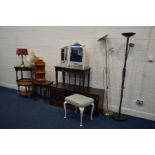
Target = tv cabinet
(59,91)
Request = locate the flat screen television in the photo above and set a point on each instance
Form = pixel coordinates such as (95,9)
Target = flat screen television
(76,55)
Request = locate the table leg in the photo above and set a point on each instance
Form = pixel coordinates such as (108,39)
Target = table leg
(69,77)
(40,91)
(56,76)
(81,115)
(34,90)
(48,91)
(65,108)
(92,110)
(18,88)
(63,77)
(76,109)
(29,91)
(88,78)
(75,78)
(45,92)
(83,76)
(79,79)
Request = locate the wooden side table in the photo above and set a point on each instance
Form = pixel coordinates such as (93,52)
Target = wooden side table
(43,86)
(22,81)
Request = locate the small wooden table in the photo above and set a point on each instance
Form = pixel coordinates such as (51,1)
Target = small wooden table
(44,86)
(76,71)
(23,81)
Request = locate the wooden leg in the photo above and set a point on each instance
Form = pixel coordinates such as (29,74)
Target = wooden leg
(88,78)
(69,77)
(56,77)
(18,88)
(29,91)
(83,76)
(45,93)
(76,109)
(65,108)
(48,91)
(81,115)
(63,78)
(34,92)
(75,79)
(79,80)
(92,110)
(40,90)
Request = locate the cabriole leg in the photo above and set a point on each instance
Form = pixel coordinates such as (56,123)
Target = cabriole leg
(81,115)
(65,108)
(92,110)
(76,109)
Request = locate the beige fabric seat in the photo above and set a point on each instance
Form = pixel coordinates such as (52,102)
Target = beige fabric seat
(81,102)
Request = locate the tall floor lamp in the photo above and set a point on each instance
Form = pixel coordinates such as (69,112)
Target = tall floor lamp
(119,116)
(106,111)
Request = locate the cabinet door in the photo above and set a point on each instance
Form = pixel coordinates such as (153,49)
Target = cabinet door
(57,96)
(68,93)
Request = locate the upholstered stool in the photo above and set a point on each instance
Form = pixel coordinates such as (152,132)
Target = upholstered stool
(81,102)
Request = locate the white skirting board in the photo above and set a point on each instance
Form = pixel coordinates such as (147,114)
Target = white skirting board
(134,113)
(8,85)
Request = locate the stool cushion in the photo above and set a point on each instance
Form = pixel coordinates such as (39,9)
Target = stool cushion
(79,100)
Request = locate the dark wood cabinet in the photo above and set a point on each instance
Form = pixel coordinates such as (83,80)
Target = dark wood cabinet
(60,91)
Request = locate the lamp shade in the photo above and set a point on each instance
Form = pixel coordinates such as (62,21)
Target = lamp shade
(128,34)
(21,51)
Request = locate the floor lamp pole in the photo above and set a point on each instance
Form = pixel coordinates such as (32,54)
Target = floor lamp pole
(106,111)
(118,116)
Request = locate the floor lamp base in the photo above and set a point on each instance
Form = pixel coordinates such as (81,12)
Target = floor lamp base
(107,113)
(119,117)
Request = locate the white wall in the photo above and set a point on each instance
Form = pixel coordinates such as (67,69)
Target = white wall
(47,41)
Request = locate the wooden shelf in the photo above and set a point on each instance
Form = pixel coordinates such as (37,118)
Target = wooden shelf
(24,83)
(37,72)
(40,71)
(25,93)
(40,80)
(40,64)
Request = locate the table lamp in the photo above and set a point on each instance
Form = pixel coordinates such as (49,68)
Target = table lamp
(22,52)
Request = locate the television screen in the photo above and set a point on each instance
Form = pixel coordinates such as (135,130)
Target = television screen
(76,54)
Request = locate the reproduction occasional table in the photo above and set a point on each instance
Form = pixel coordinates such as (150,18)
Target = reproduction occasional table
(43,86)
(24,80)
